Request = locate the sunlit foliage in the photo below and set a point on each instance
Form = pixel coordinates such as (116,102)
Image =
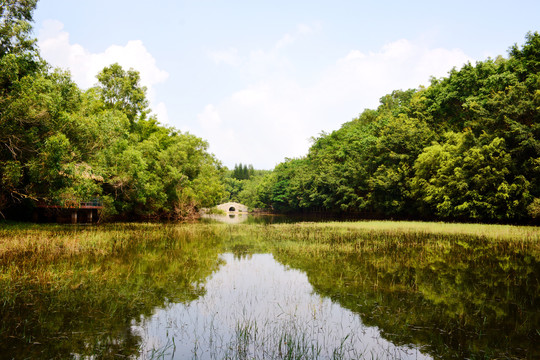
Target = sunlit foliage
(60,145)
(466,147)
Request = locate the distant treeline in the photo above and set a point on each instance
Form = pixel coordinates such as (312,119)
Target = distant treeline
(61,146)
(242,172)
(465,148)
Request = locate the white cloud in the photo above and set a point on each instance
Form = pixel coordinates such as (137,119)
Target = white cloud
(400,49)
(262,61)
(304,29)
(55,47)
(284,41)
(228,57)
(275,116)
(161,112)
(209,118)
(353,55)
(398,65)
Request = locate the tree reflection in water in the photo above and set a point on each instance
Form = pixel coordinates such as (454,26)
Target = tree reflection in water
(256,308)
(149,290)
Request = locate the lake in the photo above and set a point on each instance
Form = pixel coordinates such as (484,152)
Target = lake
(375,290)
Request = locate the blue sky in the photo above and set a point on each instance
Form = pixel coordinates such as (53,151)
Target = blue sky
(258,79)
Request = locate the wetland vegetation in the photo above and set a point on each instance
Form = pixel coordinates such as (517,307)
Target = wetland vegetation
(465,148)
(437,290)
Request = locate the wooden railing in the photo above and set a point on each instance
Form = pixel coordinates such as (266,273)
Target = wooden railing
(92,203)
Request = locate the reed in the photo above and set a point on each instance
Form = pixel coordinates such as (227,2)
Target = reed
(81,280)
(420,283)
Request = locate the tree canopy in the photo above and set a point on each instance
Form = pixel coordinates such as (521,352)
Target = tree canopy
(464,148)
(60,145)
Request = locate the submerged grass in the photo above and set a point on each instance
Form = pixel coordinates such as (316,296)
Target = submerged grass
(457,290)
(87,284)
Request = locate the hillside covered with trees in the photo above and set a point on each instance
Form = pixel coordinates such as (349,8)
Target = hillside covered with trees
(467,147)
(60,145)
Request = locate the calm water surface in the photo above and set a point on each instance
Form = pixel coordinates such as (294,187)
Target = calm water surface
(264,309)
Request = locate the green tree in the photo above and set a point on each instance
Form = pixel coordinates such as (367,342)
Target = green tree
(470,178)
(15,28)
(396,160)
(121,90)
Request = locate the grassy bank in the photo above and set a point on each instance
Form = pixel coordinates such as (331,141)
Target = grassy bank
(491,231)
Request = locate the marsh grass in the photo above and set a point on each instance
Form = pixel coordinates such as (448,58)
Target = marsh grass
(57,280)
(456,290)
(252,342)
(493,231)
(473,286)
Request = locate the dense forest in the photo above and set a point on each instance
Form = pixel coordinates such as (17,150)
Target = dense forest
(467,148)
(60,145)
(242,185)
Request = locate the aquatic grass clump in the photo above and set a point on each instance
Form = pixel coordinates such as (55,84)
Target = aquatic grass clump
(250,342)
(428,285)
(452,290)
(93,281)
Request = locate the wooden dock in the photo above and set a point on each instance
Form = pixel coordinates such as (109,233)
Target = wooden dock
(84,212)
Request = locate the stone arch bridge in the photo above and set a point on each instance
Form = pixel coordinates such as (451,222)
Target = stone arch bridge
(233,207)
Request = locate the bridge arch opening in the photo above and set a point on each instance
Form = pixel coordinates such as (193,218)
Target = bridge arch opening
(232,208)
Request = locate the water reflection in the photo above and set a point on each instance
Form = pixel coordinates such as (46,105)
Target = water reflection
(453,296)
(85,306)
(231,218)
(457,297)
(267,218)
(255,307)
